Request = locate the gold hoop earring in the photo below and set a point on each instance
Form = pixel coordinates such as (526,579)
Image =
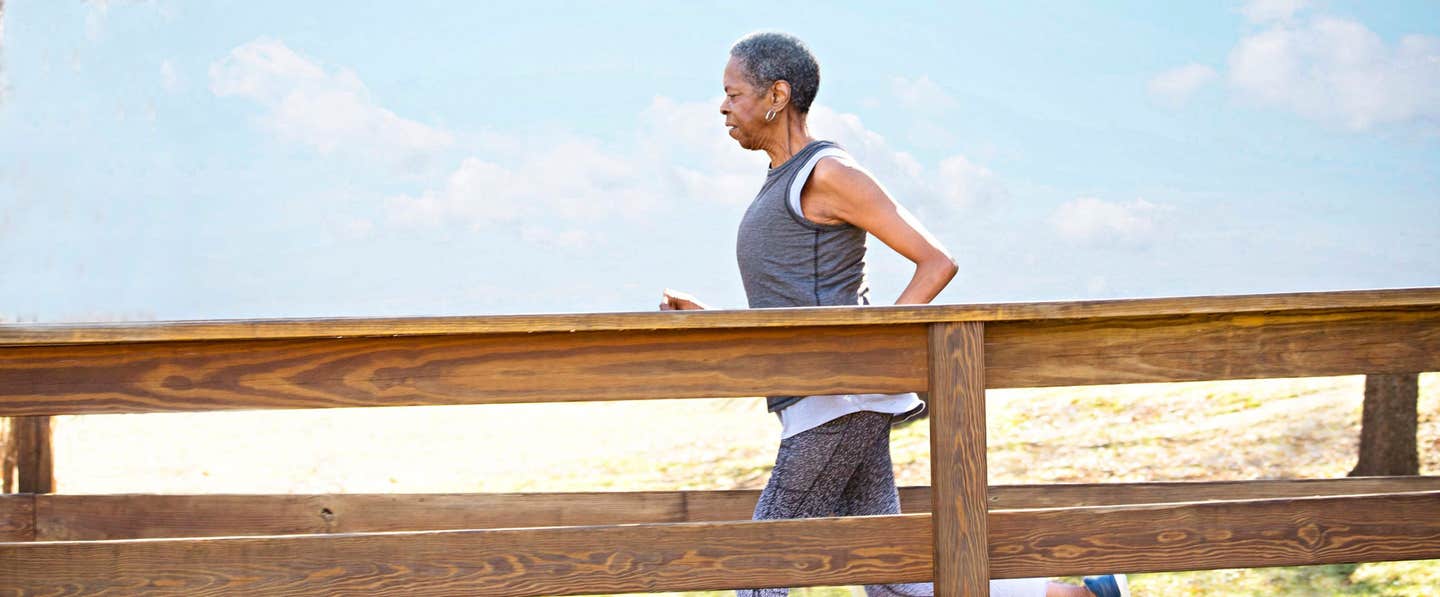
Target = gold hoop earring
(769,115)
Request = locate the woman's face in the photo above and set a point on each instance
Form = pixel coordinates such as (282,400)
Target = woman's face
(744,107)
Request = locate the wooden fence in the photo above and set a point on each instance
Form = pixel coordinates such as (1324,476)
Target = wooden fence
(960,532)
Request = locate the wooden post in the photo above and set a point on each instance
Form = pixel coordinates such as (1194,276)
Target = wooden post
(957,458)
(1388,426)
(27,457)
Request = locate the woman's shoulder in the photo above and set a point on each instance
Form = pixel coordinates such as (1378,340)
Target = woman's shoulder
(836,167)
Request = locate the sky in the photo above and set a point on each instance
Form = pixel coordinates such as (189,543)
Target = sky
(171,160)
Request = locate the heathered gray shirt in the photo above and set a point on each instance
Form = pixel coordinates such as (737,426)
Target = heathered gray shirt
(788,261)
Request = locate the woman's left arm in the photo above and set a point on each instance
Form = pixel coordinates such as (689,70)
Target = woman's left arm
(849,193)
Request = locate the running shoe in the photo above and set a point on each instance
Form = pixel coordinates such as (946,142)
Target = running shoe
(1108,585)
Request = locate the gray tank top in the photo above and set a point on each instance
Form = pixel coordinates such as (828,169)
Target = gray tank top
(788,261)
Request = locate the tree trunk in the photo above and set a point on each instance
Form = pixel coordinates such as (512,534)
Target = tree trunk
(25,456)
(1387,427)
(8,455)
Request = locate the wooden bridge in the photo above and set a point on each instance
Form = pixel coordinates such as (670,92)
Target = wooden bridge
(959,532)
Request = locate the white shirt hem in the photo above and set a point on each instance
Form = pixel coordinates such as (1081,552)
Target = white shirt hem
(813,411)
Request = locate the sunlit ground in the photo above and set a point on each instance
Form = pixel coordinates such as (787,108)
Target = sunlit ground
(1289,428)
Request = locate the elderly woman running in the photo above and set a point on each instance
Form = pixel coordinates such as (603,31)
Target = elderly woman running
(802,243)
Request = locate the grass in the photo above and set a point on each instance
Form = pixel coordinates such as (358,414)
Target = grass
(1287,428)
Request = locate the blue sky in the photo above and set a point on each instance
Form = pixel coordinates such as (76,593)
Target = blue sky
(180,160)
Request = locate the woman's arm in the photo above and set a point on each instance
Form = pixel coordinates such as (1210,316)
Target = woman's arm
(839,189)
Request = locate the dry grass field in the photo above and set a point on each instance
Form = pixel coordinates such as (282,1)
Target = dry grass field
(1288,428)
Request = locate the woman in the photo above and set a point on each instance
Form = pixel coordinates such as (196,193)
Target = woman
(802,243)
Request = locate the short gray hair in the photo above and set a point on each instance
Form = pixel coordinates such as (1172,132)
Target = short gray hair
(770,56)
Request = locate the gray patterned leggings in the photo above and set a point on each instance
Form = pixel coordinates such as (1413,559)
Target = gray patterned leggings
(842,468)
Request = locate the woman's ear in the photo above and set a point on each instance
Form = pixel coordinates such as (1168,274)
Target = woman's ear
(780,95)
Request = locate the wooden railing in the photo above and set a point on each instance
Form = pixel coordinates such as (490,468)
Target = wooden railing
(960,533)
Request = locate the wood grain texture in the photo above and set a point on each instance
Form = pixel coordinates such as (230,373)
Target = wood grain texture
(548,561)
(957,457)
(1210,347)
(1203,536)
(17,517)
(34,454)
(1068,495)
(403,371)
(144,516)
(700,556)
(44,334)
(136,516)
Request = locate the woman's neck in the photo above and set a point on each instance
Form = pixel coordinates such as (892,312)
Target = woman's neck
(792,136)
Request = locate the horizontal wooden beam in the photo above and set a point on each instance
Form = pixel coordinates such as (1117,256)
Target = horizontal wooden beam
(510,562)
(1210,535)
(725,555)
(137,516)
(1071,495)
(406,371)
(12,334)
(1210,347)
(142,516)
(17,517)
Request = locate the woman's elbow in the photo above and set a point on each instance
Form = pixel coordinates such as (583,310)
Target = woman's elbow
(950,266)
(944,266)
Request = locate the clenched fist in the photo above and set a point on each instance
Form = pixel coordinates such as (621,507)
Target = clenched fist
(674,300)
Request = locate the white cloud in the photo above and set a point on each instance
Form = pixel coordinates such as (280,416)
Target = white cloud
(1176,85)
(169,79)
(355,228)
(921,94)
(680,153)
(327,111)
(546,186)
(1092,222)
(470,192)
(564,239)
(1339,71)
(966,184)
(575,178)
(95,13)
(1268,11)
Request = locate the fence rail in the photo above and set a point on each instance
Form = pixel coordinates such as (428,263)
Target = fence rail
(690,540)
(41,517)
(720,555)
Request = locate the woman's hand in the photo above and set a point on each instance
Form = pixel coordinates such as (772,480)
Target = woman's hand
(679,301)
